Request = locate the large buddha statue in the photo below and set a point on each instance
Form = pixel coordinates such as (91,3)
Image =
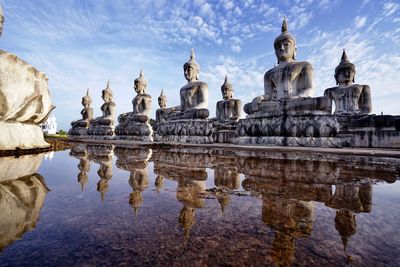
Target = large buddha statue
(104,125)
(25,102)
(194,95)
(135,124)
(79,127)
(289,79)
(349,98)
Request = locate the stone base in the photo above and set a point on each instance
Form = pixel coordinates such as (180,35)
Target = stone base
(289,126)
(224,136)
(22,136)
(101,132)
(370,131)
(289,141)
(185,131)
(137,131)
(78,132)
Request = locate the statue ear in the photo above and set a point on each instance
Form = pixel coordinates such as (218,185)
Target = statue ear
(294,54)
(337,82)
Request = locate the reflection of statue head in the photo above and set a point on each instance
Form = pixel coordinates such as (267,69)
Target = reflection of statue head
(162,100)
(345,71)
(191,68)
(107,92)
(285,45)
(140,83)
(345,224)
(227,89)
(86,100)
(1,20)
(186,220)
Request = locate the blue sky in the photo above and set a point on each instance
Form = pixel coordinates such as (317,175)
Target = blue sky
(81,44)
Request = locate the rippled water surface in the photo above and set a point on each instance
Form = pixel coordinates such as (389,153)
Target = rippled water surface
(104,205)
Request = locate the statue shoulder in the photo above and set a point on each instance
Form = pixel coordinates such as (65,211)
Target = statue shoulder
(306,65)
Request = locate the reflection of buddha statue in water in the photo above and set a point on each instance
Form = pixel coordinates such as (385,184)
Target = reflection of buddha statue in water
(79,127)
(20,203)
(84,168)
(228,109)
(289,79)
(194,95)
(139,181)
(349,98)
(105,174)
(225,179)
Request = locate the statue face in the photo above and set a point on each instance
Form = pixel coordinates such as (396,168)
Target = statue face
(285,50)
(190,73)
(139,88)
(345,76)
(106,97)
(226,93)
(162,103)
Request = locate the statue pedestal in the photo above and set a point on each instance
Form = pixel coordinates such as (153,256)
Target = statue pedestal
(21,135)
(300,130)
(101,132)
(132,130)
(197,131)
(370,131)
(78,133)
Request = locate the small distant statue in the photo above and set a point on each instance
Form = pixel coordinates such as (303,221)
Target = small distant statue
(349,98)
(104,125)
(228,109)
(135,124)
(289,79)
(79,127)
(194,95)
(162,103)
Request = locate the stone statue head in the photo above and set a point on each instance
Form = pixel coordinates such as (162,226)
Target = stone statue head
(86,100)
(227,89)
(140,84)
(345,71)
(107,94)
(1,20)
(162,100)
(191,68)
(285,45)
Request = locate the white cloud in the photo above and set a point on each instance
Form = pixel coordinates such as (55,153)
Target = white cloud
(359,21)
(390,8)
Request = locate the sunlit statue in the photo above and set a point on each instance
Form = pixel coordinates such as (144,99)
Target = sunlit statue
(79,127)
(194,95)
(104,125)
(135,124)
(162,111)
(289,79)
(349,98)
(25,102)
(228,109)
(187,123)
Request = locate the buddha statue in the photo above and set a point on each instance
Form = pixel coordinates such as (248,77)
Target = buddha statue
(103,126)
(162,111)
(108,108)
(349,98)
(79,127)
(135,125)
(194,95)
(25,102)
(228,109)
(287,80)
(141,103)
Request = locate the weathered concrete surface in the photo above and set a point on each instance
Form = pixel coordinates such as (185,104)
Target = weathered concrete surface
(24,103)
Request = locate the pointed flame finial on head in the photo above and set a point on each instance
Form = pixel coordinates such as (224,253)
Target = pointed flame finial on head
(141,79)
(344,56)
(284,25)
(192,55)
(108,84)
(141,72)
(87,91)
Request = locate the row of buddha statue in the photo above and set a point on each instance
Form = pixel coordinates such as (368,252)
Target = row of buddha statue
(286,114)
